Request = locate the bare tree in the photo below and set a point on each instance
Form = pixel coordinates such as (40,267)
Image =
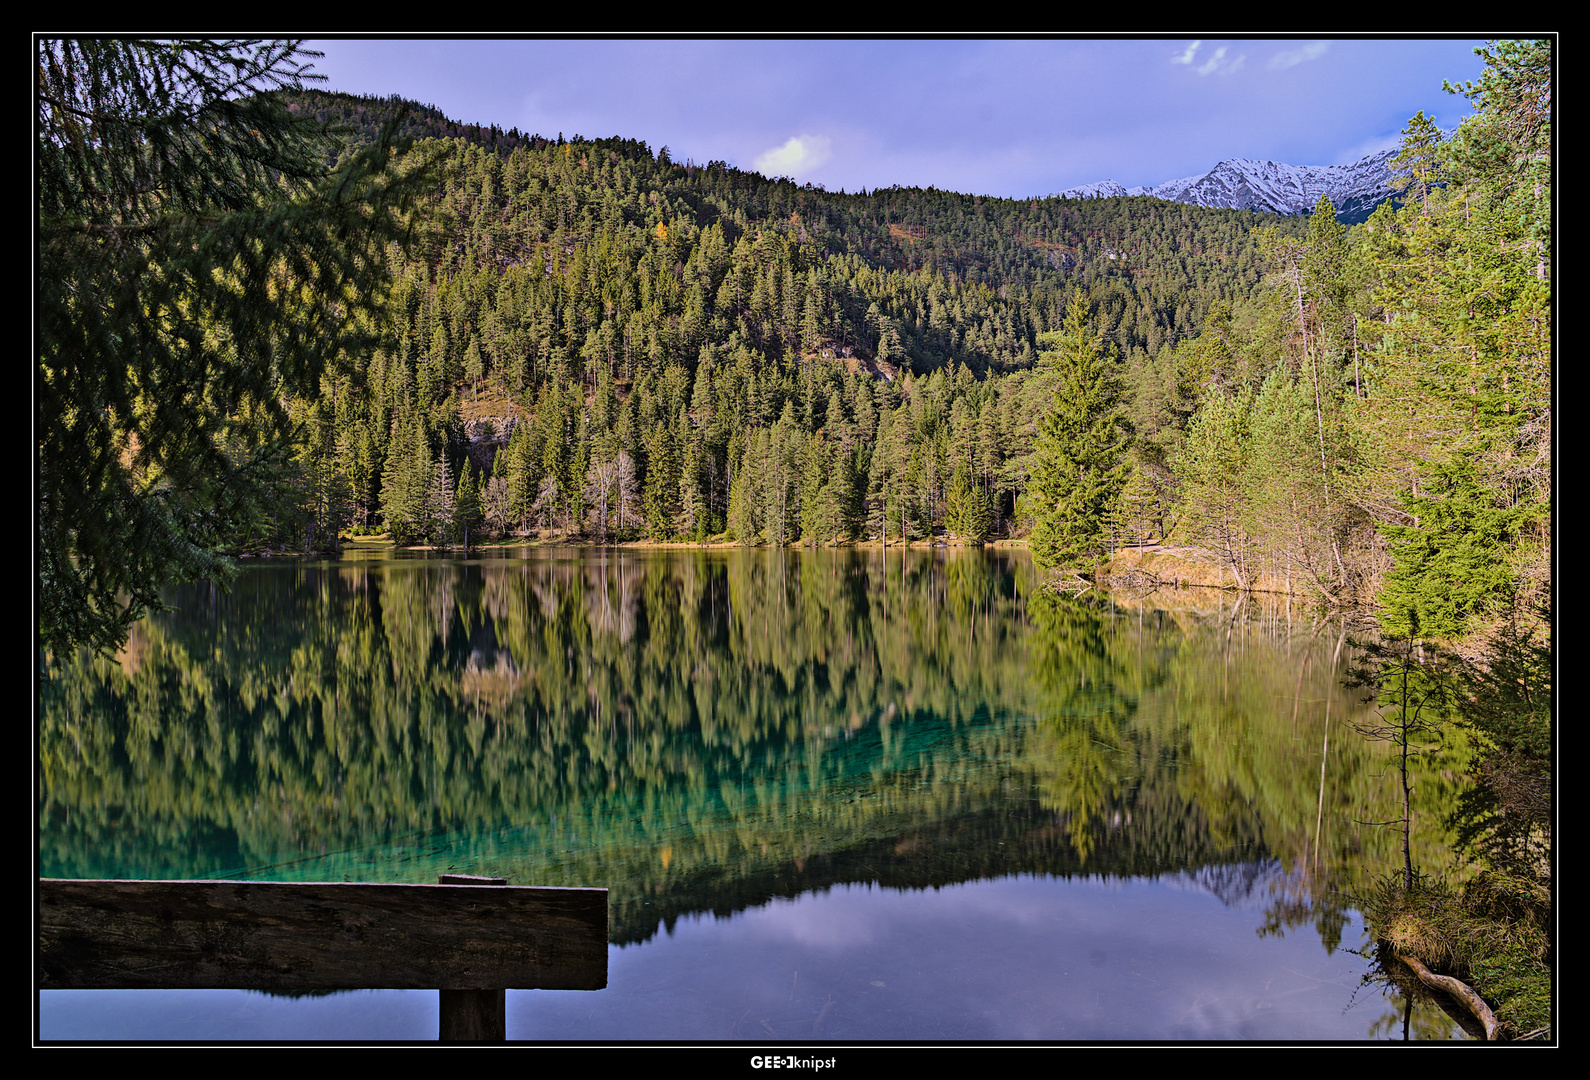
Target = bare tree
(627,485)
(498,504)
(601,480)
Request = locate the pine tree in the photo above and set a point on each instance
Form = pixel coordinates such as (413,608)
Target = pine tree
(813,458)
(522,463)
(1080,464)
(1421,164)
(1464,365)
(661,490)
(1213,468)
(406,483)
(745,494)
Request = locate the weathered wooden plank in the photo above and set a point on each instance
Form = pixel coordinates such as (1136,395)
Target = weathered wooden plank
(327,936)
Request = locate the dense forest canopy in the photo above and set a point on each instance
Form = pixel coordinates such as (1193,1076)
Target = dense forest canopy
(624,332)
(583,337)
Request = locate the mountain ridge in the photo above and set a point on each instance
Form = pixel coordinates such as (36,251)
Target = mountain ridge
(1269,186)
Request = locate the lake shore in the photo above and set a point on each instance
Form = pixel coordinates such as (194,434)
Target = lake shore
(381,542)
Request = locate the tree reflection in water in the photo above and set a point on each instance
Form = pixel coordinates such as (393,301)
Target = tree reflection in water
(701,731)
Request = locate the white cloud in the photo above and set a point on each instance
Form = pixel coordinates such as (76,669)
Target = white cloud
(801,154)
(1293,57)
(1218,65)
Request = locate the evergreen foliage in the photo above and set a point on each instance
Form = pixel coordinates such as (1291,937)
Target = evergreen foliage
(1453,561)
(1463,364)
(1080,465)
(1215,474)
(197,263)
(237,352)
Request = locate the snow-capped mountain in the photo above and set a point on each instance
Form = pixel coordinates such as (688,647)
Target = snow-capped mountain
(1239,183)
(1104,189)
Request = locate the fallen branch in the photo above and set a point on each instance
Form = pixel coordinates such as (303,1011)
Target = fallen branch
(1135,577)
(1074,587)
(1458,989)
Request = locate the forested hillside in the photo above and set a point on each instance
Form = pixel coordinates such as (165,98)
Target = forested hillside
(679,351)
(635,347)
(585,338)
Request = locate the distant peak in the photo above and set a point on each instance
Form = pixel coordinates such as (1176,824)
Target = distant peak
(1269,186)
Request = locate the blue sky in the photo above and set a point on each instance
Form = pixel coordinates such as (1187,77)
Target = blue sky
(990,117)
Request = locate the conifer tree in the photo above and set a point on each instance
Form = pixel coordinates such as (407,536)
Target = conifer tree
(406,484)
(967,507)
(1214,471)
(195,260)
(745,494)
(1454,562)
(468,511)
(1465,364)
(1080,465)
(1420,166)
(813,485)
(661,490)
(1503,152)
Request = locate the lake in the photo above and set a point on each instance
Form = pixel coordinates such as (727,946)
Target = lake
(834,796)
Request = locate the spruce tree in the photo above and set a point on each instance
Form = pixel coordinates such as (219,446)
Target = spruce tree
(468,511)
(1454,561)
(1421,164)
(967,507)
(196,264)
(1464,365)
(1080,464)
(745,494)
(1214,468)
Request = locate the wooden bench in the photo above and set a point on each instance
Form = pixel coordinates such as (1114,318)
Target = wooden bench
(471,938)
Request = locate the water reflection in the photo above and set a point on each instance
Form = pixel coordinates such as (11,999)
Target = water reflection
(710,733)
(1011,959)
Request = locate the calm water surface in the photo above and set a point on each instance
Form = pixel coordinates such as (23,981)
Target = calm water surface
(833,797)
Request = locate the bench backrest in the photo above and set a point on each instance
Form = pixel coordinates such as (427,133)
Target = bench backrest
(255,935)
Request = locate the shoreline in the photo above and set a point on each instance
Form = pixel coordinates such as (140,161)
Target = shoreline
(380,542)
(1152,566)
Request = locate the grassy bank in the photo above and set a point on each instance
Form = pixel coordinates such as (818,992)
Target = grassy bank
(1493,933)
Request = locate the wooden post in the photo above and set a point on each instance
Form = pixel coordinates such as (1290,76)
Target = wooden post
(471,1015)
